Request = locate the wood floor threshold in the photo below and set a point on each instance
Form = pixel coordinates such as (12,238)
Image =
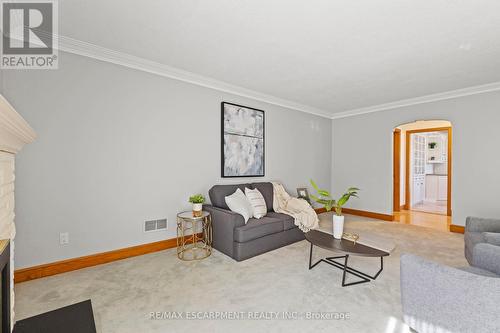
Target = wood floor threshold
(428,212)
(364,213)
(63,266)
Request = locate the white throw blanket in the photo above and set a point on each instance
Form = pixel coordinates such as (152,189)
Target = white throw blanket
(304,215)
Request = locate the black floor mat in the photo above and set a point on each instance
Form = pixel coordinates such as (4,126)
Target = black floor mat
(76,318)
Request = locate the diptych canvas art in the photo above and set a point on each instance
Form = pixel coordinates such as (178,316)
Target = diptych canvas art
(242,141)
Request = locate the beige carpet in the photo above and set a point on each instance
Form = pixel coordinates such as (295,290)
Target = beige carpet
(124,293)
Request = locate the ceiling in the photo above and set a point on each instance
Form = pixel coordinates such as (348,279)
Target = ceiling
(332,55)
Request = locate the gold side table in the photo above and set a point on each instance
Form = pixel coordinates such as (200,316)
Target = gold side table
(194,236)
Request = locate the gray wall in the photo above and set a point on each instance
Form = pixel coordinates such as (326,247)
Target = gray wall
(1,81)
(362,148)
(117,146)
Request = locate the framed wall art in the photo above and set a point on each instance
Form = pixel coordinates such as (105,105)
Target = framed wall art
(242,141)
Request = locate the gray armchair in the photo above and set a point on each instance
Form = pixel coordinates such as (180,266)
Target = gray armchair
(438,298)
(480,230)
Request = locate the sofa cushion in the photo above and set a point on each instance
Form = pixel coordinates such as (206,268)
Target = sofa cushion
(267,192)
(471,239)
(218,193)
(258,228)
(486,256)
(238,203)
(288,221)
(478,271)
(257,202)
(492,238)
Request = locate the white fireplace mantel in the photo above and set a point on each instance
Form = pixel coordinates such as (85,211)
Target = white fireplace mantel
(14,134)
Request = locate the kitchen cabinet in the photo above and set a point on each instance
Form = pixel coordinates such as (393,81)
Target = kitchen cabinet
(437,149)
(418,170)
(442,188)
(431,188)
(418,189)
(418,158)
(436,188)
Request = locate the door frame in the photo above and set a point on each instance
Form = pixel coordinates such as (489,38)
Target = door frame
(396,170)
(407,163)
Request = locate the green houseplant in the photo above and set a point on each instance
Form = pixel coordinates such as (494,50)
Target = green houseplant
(197,200)
(324,198)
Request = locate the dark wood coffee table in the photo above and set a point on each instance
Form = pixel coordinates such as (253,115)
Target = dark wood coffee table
(347,248)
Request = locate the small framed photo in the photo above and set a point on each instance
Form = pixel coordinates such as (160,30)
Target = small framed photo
(303,193)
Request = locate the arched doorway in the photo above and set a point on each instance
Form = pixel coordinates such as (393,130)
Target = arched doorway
(423,167)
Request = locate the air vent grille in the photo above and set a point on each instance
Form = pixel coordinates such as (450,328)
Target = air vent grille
(161,224)
(149,226)
(155,225)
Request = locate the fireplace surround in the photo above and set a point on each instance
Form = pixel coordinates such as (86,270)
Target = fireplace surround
(5,281)
(14,134)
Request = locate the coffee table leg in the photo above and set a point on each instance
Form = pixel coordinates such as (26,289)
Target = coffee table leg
(381,268)
(358,273)
(348,270)
(345,270)
(310,255)
(310,258)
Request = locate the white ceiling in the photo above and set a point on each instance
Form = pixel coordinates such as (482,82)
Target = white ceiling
(332,55)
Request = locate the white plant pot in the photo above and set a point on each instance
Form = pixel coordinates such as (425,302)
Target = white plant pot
(338,226)
(197,208)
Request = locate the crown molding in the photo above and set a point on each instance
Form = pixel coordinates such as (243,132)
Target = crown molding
(90,50)
(495,86)
(15,132)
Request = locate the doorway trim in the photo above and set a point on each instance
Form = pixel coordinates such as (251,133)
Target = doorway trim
(407,163)
(396,170)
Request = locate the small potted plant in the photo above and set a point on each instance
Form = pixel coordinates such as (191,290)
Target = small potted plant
(324,197)
(197,200)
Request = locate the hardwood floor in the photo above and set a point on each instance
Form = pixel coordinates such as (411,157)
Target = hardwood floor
(438,207)
(429,220)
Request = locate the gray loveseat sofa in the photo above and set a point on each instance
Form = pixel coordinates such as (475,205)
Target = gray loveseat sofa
(241,241)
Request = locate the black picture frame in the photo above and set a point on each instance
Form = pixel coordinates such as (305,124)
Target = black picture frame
(223,175)
(303,193)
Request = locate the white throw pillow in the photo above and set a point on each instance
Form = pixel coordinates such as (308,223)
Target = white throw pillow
(238,203)
(257,201)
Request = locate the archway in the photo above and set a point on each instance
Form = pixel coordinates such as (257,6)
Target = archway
(422,167)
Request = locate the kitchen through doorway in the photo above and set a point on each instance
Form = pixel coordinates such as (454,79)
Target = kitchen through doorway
(422,168)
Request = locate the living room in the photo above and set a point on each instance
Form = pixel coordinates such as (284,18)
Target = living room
(148,109)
